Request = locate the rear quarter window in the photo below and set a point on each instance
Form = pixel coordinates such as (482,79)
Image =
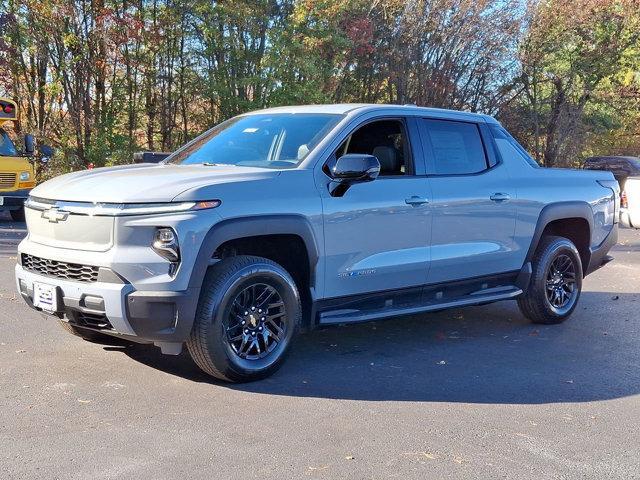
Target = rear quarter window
(509,147)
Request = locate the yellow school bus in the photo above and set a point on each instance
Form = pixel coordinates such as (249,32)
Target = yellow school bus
(17,172)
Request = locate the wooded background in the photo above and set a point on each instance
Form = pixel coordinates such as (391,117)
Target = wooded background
(100,79)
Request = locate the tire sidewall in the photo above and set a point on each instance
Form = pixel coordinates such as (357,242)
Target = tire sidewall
(219,349)
(558,247)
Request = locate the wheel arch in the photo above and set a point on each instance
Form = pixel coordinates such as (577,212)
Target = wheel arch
(257,226)
(573,220)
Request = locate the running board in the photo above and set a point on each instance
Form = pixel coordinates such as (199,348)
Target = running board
(353,315)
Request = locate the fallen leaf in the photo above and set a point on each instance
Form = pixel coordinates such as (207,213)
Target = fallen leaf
(313,469)
(428,455)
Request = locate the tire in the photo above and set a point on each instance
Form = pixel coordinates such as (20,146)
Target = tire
(556,282)
(89,335)
(17,215)
(224,347)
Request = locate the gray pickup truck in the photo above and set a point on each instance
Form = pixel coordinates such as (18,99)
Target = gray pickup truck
(291,218)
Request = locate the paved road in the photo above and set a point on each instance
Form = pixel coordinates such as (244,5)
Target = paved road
(468,393)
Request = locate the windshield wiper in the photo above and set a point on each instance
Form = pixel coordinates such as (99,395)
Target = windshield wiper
(210,164)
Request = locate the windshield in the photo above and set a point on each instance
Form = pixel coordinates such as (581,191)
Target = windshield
(278,140)
(7,148)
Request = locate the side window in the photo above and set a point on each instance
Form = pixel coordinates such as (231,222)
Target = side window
(456,147)
(384,139)
(509,147)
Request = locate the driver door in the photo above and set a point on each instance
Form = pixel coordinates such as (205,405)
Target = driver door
(377,233)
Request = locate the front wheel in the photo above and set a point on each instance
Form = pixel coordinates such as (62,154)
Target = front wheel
(556,282)
(248,312)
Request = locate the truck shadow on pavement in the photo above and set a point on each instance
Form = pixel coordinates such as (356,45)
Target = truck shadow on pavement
(488,354)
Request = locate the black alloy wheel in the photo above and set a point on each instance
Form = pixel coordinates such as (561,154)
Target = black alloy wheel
(556,282)
(561,284)
(257,322)
(247,315)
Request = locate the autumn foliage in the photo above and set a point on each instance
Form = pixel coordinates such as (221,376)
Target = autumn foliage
(101,79)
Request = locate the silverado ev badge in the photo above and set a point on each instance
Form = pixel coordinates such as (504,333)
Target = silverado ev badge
(54,215)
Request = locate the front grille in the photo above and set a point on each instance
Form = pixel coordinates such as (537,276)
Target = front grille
(91,320)
(7,180)
(53,268)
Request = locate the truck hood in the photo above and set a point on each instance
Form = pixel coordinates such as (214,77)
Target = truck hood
(142,183)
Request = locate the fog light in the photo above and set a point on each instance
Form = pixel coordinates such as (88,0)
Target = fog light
(165,243)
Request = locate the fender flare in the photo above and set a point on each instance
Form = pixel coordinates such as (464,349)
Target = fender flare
(560,211)
(242,227)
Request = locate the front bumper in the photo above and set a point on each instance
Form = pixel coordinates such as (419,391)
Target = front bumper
(135,294)
(14,200)
(118,309)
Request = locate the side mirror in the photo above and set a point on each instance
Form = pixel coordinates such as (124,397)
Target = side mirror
(46,152)
(352,168)
(355,167)
(29,145)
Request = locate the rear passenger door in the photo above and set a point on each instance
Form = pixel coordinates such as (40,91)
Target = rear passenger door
(473,213)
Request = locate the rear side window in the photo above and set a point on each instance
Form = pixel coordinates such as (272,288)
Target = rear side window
(508,146)
(456,147)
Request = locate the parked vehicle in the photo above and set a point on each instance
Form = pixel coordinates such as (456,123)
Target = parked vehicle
(623,168)
(294,217)
(150,157)
(630,205)
(17,173)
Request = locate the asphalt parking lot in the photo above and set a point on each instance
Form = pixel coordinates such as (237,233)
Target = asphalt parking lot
(468,393)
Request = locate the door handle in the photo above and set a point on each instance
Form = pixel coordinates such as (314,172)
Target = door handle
(500,197)
(415,201)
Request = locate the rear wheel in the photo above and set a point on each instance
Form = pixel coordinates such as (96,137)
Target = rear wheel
(556,282)
(17,215)
(248,312)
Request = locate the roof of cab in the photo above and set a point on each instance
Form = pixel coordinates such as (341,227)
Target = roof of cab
(349,108)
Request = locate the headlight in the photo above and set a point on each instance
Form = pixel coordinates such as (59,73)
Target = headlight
(24,176)
(165,243)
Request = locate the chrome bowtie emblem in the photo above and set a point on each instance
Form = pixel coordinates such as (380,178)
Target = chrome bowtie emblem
(54,215)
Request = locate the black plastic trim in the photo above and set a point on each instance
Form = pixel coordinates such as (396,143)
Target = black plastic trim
(250,227)
(162,316)
(559,211)
(600,254)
